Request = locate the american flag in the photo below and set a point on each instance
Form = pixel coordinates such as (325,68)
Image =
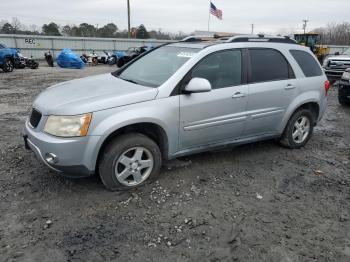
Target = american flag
(214,11)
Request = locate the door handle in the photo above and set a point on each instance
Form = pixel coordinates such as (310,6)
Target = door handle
(289,86)
(238,95)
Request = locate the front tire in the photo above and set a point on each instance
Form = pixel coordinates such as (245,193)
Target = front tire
(8,66)
(299,129)
(129,161)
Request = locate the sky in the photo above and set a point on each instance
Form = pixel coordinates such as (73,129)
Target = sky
(268,16)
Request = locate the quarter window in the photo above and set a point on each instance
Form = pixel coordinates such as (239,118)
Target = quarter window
(221,69)
(307,63)
(269,65)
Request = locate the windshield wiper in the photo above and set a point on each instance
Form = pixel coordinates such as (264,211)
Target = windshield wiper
(129,80)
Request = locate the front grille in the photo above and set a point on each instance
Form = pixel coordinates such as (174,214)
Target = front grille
(35,117)
(339,64)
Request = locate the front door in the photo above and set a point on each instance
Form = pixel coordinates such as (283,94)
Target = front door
(218,115)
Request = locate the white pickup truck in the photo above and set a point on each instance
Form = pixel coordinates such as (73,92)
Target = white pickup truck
(336,65)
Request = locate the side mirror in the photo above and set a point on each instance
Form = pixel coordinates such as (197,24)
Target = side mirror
(198,85)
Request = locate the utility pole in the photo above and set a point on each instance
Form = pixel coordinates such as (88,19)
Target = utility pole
(304,25)
(252,29)
(129,29)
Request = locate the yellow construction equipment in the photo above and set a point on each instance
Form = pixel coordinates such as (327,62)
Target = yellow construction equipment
(313,40)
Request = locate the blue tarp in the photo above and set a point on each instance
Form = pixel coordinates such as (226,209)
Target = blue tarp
(68,59)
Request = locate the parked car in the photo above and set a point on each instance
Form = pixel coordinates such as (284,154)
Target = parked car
(7,58)
(344,88)
(130,54)
(178,99)
(336,65)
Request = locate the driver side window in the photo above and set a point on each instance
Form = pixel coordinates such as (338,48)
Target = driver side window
(221,69)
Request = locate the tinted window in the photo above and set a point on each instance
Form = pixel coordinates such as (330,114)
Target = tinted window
(221,69)
(307,63)
(268,65)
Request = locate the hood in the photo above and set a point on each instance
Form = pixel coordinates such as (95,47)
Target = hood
(339,57)
(91,94)
(8,51)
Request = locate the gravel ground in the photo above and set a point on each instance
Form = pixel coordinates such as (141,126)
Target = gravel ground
(258,202)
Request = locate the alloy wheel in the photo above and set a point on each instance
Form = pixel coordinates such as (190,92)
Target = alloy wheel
(301,129)
(134,166)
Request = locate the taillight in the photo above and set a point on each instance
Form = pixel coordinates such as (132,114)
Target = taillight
(327,86)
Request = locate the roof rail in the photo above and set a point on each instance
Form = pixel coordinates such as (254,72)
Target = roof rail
(198,38)
(261,38)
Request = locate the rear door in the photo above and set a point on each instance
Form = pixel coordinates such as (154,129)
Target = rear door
(218,115)
(272,87)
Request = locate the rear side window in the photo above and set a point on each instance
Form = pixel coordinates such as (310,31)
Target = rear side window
(268,65)
(221,69)
(307,63)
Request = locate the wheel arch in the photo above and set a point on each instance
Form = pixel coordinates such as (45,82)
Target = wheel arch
(152,130)
(310,103)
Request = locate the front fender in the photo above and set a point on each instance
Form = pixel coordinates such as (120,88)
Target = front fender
(108,121)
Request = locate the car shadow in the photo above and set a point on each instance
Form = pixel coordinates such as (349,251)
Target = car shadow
(93,184)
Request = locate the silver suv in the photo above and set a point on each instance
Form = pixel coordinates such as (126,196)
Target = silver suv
(178,99)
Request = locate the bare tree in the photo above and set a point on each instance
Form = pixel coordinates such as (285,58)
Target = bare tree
(16,24)
(2,22)
(336,34)
(34,28)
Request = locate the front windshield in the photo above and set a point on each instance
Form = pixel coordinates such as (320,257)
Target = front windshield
(347,52)
(158,66)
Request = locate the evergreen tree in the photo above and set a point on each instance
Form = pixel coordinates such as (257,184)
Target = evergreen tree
(141,32)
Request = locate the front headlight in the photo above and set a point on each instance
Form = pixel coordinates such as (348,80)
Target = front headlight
(325,62)
(68,126)
(346,75)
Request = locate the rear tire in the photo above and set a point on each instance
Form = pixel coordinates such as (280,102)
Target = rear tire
(8,65)
(299,129)
(129,161)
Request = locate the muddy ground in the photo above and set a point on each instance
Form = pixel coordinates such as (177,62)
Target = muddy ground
(258,202)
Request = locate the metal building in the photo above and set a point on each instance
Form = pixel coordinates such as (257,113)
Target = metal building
(36,45)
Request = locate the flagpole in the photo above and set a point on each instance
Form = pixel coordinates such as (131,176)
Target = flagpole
(209,16)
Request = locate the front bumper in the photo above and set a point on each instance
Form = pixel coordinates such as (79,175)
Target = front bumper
(72,155)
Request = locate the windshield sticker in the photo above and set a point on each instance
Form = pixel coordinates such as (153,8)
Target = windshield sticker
(186,54)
